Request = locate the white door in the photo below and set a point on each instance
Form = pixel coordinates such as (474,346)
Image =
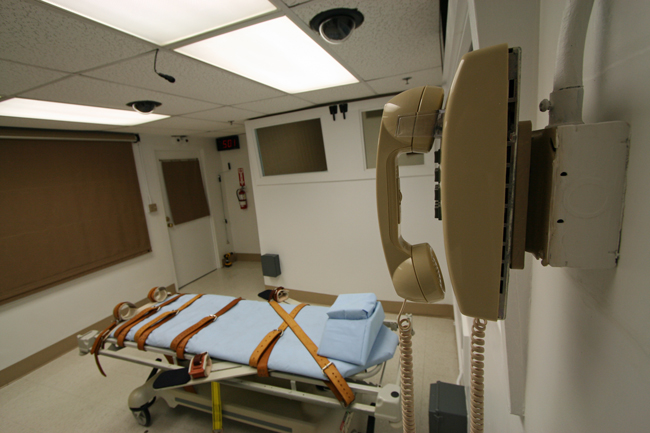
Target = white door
(192,242)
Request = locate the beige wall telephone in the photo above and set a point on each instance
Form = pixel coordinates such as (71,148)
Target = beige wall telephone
(478,150)
(478,158)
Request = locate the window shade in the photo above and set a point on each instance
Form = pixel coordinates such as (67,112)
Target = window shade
(68,208)
(185,191)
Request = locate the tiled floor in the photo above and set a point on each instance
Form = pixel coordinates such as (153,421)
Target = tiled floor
(69,395)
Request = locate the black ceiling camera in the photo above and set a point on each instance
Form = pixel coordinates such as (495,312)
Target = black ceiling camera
(336,25)
(144,107)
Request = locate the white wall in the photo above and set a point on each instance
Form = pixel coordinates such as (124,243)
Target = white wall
(324,225)
(589,363)
(243,235)
(33,323)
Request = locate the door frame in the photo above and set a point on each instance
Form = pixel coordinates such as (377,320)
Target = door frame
(188,153)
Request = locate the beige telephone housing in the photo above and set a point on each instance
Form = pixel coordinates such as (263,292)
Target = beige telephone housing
(476,173)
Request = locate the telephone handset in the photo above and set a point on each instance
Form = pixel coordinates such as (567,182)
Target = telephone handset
(414,269)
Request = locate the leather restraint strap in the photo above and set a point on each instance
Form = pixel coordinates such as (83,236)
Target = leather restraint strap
(121,332)
(102,336)
(344,393)
(260,357)
(145,330)
(99,344)
(181,340)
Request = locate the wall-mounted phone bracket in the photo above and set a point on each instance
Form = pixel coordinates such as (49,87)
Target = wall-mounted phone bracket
(577,188)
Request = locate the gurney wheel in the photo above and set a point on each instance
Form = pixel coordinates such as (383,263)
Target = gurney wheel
(142,416)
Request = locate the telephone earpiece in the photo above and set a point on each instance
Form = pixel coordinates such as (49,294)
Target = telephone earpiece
(414,269)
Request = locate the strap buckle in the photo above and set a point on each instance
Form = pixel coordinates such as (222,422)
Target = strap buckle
(281,332)
(325,368)
(215,317)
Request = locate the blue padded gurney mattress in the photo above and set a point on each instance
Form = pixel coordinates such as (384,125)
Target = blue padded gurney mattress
(235,335)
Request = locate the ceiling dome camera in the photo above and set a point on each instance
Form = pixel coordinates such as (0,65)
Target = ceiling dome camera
(144,107)
(336,25)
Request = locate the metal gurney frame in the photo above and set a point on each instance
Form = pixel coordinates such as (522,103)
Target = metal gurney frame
(300,394)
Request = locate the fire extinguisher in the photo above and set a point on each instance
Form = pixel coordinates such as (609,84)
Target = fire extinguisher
(241,193)
(241,196)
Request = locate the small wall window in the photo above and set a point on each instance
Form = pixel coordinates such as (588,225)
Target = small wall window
(371,125)
(291,148)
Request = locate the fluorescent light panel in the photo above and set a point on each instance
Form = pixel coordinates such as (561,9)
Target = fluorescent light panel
(276,53)
(45,110)
(166,21)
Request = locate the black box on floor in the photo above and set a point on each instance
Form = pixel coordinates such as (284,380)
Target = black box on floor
(271,265)
(447,408)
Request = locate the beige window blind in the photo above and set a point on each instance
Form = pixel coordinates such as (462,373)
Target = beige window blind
(68,208)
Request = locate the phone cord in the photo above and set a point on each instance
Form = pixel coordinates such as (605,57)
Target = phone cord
(406,371)
(478,368)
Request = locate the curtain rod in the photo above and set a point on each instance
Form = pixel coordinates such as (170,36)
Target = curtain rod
(53,134)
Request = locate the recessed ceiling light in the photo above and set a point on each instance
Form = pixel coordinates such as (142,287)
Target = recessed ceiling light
(165,21)
(45,110)
(276,53)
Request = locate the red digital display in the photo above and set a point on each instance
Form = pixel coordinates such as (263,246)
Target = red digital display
(228,143)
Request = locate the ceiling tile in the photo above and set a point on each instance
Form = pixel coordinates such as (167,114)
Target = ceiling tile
(276,105)
(429,77)
(395,37)
(41,35)
(187,123)
(15,78)
(156,130)
(39,42)
(226,114)
(336,94)
(98,93)
(223,132)
(292,3)
(194,79)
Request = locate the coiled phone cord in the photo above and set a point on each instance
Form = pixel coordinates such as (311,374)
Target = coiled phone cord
(406,371)
(478,368)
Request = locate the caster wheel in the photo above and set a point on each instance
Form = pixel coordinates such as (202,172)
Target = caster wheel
(142,416)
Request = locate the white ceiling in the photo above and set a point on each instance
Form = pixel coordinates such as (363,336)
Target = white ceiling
(53,55)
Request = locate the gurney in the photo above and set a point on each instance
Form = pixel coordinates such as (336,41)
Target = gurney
(253,347)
